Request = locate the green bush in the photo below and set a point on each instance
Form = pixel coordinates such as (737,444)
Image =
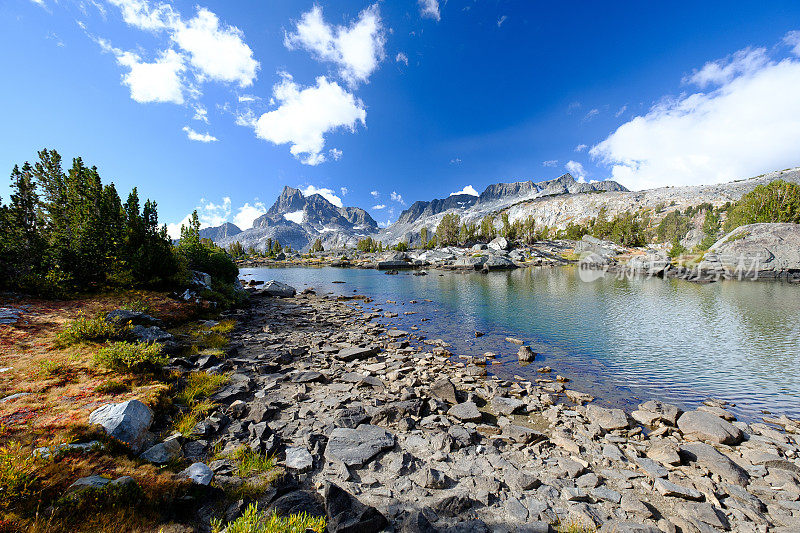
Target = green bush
(778,201)
(131,357)
(90,329)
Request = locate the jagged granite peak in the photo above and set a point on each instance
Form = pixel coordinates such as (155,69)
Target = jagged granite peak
(298,220)
(425,209)
(220,232)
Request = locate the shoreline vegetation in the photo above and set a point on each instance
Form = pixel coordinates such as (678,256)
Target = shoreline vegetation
(143,388)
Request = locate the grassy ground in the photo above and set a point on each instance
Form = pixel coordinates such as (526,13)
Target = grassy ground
(63,382)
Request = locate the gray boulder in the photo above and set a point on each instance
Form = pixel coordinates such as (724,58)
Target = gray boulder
(498,262)
(150,334)
(278,290)
(163,452)
(127,422)
(703,426)
(444,390)
(608,419)
(298,458)
(766,249)
(356,447)
(469,262)
(499,243)
(124,316)
(467,412)
(506,406)
(348,515)
(198,473)
(716,462)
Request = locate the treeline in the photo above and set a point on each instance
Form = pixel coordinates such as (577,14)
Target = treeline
(66,231)
(777,201)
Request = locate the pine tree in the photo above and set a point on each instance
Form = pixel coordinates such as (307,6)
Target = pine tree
(25,243)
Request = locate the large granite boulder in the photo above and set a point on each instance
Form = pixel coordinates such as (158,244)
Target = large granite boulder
(348,515)
(608,419)
(356,447)
(127,422)
(768,250)
(278,289)
(707,427)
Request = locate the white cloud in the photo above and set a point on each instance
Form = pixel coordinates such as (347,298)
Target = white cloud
(328,194)
(385,224)
(247,98)
(401,57)
(379,206)
(469,189)
(375,194)
(344,191)
(248,213)
(501,20)
(573,106)
(335,154)
(306,114)
(455,161)
(743,62)
(138,13)
(793,39)
(356,49)
(581,147)
(200,113)
(397,198)
(295,216)
(159,81)
(39,3)
(430,9)
(214,52)
(621,110)
(200,137)
(744,127)
(218,53)
(577,171)
(550,163)
(208,213)
(591,114)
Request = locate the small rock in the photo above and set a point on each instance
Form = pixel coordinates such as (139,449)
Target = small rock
(299,459)
(668,488)
(467,412)
(198,473)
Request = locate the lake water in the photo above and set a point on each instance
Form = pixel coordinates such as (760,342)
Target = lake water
(622,340)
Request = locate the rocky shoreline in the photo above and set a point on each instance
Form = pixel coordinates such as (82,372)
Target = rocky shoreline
(751,252)
(383,429)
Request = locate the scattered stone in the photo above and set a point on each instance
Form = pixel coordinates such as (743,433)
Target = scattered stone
(703,426)
(668,488)
(298,458)
(348,515)
(444,390)
(716,462)
(506,406)
(128,422)
(467,412)
(352,354)
(356,447)
(608,419)
(278,290)
(163,452)
(525,354)
(198,473)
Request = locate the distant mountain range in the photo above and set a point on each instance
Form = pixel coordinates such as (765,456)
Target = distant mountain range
(298,220)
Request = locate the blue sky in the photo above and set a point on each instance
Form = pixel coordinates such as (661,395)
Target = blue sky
(218,105)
